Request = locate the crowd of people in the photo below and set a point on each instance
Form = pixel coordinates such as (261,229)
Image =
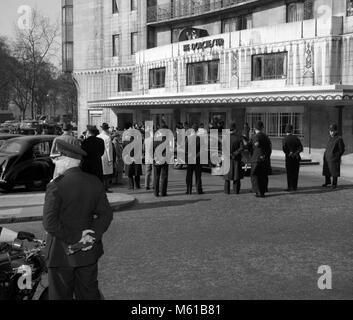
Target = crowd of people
(105,157)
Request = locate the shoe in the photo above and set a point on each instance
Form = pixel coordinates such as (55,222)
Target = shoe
(288,190)
(326,185)
(108,191)
(201,192)
(164,195)
(148,188)
(333,186)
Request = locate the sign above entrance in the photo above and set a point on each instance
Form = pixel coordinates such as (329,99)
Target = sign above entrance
(204,45)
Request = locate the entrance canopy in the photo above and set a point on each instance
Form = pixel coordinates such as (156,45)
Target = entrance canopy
(329,95)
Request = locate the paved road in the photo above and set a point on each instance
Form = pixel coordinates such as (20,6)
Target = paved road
(217,246)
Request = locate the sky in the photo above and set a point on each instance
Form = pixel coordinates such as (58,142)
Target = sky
(9,16)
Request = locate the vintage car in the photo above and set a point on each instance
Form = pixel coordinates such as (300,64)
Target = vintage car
(25,161)
(7,136)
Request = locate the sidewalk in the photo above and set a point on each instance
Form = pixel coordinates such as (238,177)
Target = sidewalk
(29,207)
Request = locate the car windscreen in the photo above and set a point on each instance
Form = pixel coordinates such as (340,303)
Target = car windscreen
(11,147)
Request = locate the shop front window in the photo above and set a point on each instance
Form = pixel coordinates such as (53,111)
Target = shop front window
(276,122)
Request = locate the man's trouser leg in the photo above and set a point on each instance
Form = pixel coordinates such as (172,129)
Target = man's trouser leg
(61,283)
(227,186)
(157,174)
(236,186)
(296,175)
(148,175)
(137,182)
(255,183)
(289,173)
(164,179)
(86,283)
(189,174)
(198,174)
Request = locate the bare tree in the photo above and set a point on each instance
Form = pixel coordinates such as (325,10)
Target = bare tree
(35,45)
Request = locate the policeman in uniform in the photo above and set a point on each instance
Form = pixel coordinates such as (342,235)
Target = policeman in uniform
(261,150)
(76,209)
(332,157)
(292,147)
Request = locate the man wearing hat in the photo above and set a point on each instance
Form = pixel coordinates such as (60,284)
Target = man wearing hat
(292,147)
(332,157)
(94,147)
(67,137)
(261,149)
(76,209)
(107,158)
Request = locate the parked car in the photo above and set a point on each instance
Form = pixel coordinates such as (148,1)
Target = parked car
(7,136)
(25,161)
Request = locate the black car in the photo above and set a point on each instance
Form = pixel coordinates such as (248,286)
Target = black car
(25,161)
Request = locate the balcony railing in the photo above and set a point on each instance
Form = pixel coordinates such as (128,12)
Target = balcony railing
(188,8)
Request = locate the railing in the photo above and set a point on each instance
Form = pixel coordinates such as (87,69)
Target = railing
(185,8)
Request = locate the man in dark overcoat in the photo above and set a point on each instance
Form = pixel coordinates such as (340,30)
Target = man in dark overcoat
(133,170)
(160,170)
(261,149)
(76,209)
(235,172)
(94,147)
(195,165)
(292,147)
(332,157)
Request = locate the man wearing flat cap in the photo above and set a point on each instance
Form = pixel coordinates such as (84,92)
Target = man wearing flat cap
(67,137)
(260,149)
(75,210)
(292,147)
(332,157)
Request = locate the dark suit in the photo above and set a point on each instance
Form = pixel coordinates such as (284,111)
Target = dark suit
(261,150)
(292,147)
(74,202)
(332,159)
(193,167)
(235,172)
(160,172)
(92,163)
(133,170)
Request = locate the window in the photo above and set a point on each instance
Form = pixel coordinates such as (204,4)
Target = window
(299,11)
(269,66)
(41,149)
(157,78)
(349,7)
(275,122)
(115,6)
(237,23)
(125,82)
(203,72)
(116,39)
(133,42)
(133,5)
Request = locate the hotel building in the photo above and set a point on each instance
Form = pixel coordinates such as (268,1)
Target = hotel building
(281,61)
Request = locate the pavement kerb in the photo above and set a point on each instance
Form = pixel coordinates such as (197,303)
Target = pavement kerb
(18,218)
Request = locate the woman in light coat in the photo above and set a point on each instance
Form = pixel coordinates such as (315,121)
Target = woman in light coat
(107,158)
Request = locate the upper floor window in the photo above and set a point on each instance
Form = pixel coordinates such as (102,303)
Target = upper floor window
(203,72)
(133,5)
(115,6)
(300,10)
(237,23)
(133,43)
(269,66)
(349,7)
(157,78)
(125,82)
(116,48)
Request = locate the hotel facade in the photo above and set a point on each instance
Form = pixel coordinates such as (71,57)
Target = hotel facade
(207,61)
